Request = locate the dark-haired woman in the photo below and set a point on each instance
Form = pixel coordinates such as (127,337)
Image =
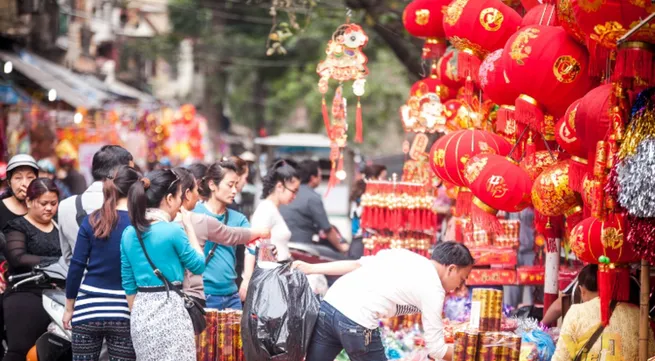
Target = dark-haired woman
(208,229)
(97,310)
(281,184)
(218,186)
(199,170)
(161,327)
(31,240)
(22,169)
(619,340)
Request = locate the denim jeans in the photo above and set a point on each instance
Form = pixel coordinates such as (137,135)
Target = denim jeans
(335,332)
(224,302)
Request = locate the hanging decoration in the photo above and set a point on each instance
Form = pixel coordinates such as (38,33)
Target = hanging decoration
(542,14)
(567,20)
(424,111)
(552,195)
(534,164)
(447,69)
(424,19)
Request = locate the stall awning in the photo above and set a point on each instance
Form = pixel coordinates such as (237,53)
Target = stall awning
(48,75)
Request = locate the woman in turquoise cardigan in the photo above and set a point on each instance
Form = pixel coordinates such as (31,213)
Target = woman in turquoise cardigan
(160,325)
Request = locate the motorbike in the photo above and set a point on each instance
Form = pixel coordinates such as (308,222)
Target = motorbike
(55,343)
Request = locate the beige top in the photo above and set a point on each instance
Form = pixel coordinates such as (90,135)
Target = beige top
(618,342)
(210,229)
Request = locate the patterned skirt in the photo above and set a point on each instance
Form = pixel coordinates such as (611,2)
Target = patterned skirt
(161,328)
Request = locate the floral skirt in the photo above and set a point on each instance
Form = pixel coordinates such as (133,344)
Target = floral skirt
(161,328)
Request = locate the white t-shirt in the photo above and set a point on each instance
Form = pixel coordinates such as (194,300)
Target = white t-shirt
(392,283)
(267,215)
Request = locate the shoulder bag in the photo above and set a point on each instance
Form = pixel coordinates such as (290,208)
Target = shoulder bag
(196,312)
(592,340)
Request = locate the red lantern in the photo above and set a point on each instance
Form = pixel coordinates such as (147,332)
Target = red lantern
(591,238)
(529,4)
(450,153)
(542,14)
(550,70)
(496,184)
(447,69)
(424,19)
(535,163)
(493,82)
(604,22)
(567,20)
(592,122)
(566,136)
(477,28)
(431,84)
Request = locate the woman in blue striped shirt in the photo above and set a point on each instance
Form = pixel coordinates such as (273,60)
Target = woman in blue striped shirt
(98,308)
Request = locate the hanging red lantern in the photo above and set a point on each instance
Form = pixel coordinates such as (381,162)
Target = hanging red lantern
(591,238)
(604,22)
(450,153)
(592,122)
(424,19)
(477,28)
(567,20)
(535,163)
(493,81)
(447,69)
(542,14)
(552,196)
(566,136)
(550,70)
(496,184)
(431,84)
(529,4)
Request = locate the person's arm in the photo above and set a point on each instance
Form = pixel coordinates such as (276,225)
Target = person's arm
(337,268)
(79,261)
(431,303)
(68,314)
(320,218)
(249,261)
(130,301)
(17,255)
(127,273)
(219,233)
(554,312)
(191,256)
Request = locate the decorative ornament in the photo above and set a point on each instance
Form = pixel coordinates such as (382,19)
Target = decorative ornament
(424,19)
(636,181)
(535,163)
(568,22)
(542,14)
(552,196)
(424,110)
(549,68)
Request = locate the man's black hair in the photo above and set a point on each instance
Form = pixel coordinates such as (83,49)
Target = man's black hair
(307,169)
(108,158)
(447,253)
(588,277)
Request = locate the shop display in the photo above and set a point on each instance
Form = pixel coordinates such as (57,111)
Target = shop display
(221,340)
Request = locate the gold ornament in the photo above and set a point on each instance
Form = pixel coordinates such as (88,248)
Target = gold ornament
(491,19)
(454,11)
(612,238)
(520,50)
(422,16)
(566,69)
(591,5)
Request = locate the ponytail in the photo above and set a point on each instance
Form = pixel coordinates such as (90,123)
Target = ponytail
(136,199)
(149,193)
(114,188)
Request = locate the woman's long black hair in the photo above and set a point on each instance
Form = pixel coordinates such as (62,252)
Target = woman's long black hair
(281,172)
(148,193)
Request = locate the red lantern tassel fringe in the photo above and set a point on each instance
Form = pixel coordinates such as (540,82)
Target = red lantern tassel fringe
(468,66)
(326,116)
(484,217)
(577,172)
(635,61)
(599,56)
(504,114)
(528,112)
(613,285)
(359,125)
(464,198)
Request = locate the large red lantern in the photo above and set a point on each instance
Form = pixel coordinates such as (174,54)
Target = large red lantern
(447,69)
(493,82)
(604,22)
(542,14)
(591,238)
(552,196)
(424,19)
(550,70)
(566,136)
(476,28)
(567,20)
(450,153)
(496,184)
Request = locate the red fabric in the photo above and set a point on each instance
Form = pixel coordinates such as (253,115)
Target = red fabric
(589,237)
(492,80)
(447,69)
(424,18)
(565,132)
(432,84)
(542,14)
(498,183)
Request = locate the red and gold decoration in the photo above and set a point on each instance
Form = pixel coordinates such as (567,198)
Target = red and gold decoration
(567,20)
(496,184)
(552,195)
(477,28)
(397,206)
(535,163)
(549,68)
(424,111)
(447,69)
(221,340)
(542,14)
(424,19)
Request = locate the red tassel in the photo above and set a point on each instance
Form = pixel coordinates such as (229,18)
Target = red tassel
(468,66)
(464,198)
(326,116)
(636,61)
(484,217)
(599,56)
(433,49)
(504,115)
(359,125)
(577,172)
(528,112)
(605,283)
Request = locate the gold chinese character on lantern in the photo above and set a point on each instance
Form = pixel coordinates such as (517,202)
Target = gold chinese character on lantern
(491,19)
(496,186)
(520,50)
(612,238)
(422,16)
(566,69)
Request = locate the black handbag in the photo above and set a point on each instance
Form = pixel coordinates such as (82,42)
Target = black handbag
(195,309)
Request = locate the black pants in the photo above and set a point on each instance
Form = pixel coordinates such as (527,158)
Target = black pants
(26,321)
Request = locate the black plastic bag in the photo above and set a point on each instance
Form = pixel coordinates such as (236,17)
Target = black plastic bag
(279,315)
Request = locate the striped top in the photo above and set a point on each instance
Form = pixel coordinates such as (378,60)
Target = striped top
(100,297)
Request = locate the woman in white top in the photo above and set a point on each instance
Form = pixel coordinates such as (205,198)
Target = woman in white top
(281,184)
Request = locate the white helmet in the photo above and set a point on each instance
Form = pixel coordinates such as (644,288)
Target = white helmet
(21,160)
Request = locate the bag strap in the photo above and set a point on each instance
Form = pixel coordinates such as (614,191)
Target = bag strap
(592,340)
(213,250)
(156,270)
(80,212)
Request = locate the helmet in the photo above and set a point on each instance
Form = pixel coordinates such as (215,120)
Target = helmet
(21,160)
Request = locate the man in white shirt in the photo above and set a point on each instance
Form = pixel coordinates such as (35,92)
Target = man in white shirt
(392,283)
(104,162)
